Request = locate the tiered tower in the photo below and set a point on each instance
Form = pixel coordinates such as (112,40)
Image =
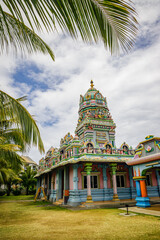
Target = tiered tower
(95,123)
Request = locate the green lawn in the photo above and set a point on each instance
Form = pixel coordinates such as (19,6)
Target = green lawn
(36,220)
(20,197)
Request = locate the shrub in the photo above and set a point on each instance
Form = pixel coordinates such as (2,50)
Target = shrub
(16,192)
(2,192)
(32,191)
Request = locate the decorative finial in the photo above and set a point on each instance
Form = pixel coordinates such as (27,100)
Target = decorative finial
(92,85)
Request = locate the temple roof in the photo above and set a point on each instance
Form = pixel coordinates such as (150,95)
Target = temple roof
(92,98)
(89,158)
(28,160)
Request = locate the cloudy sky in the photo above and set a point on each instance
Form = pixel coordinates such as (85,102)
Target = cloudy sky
(130,82)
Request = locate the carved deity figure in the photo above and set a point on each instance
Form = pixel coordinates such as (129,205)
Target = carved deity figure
(109,116)
(87,114)
(62,141)
(108,149)
(125,150)
(90,148)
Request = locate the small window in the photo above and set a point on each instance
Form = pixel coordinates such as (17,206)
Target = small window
(94,181)
(85,181)
(120,181)
(148,179)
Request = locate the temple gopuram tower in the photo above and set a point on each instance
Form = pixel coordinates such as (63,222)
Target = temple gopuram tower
(88,167)
(95,124)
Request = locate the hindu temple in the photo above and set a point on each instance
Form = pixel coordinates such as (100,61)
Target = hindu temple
(89,167)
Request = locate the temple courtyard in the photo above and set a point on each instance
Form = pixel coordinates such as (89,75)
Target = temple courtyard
(22,218)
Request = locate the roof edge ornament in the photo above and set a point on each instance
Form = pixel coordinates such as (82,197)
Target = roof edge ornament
(92,85)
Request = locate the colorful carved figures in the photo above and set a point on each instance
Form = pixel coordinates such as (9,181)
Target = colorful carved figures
(90,148)
(108,149)
(125,149)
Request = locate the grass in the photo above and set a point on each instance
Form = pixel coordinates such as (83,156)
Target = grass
(19,197)
(41,221)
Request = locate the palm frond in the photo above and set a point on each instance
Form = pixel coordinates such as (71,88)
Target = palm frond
(9,148)
(4,175)
(24,120)
(21,99)
(28,177)
(112,21)
(34,12)
(10,156)
(14,135)
(16,35)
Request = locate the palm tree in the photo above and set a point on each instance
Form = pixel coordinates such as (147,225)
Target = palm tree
(9,173)
(18,131)
(28,179)
(112,21)
(4,174)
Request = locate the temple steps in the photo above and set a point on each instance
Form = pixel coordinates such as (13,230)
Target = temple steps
(59,202)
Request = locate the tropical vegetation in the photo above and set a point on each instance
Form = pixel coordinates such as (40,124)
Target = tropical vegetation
(18,131)
(111,21)
(28,180)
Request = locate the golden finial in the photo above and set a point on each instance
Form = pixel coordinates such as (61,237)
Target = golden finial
(92,85)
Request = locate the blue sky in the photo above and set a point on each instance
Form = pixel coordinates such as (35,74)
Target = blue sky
(130,82)
(27,74)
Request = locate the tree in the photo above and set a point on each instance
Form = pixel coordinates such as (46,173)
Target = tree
(112,21)
(28,179)
(18,131)
(12,178)
(8,174)
(18,128)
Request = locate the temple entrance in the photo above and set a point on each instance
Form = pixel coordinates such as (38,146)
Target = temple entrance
(152,181)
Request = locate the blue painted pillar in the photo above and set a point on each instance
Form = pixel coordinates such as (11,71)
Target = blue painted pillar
(57,185)
(75,177)
(105,195)
(48,190)
(131,181)
(130,177)
(104,176)
(142,198)
(42,185)
(51,186)
(74,196)
(138,188)
(158,181)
